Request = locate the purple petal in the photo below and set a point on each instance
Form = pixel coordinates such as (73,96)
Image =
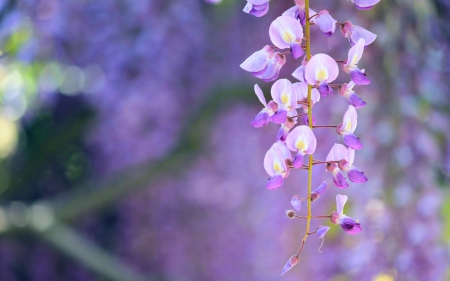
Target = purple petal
(302,139)
(337,153)
(279,117)
(365,4)
(275,182)
(296,202)
(352,141)
(272,70)
(359,77)
(258,2)
(284,31)
(296,50)
(356,175)
(325,90)
(301,15)
(340,203)
(326,22)
(321,189)
(282,133)
(339,180)
(259,10)
(258,60)
(322,230)
(306,120)
(299,73)
(355,101)
(350,226)
(260,120)
(289,264)
(298,160)
(358,32)
(321,68)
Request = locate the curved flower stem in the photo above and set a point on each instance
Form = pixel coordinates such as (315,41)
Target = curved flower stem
(311,159)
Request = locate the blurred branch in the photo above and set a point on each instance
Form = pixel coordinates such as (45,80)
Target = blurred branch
(100,194)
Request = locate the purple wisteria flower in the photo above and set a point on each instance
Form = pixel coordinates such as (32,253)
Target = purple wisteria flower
(346,90)
(258,8)
(350,65)
(348,224)
(337,153)
(354,32)
(346,164)
(283,94)
(264,116)
(321,70)
(364,4)
(275,164)
(325,22)
(290,263)
(298,11)
(264,64)
(347,128)
(286,32)
(322,230)
(319,191)
(301,140)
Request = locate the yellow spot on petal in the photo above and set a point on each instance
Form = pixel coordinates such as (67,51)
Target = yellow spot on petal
(277,168)
(354,60)
(288,37)
(348,126)
(322,75)
(383,277)
(300,145)
(284,98)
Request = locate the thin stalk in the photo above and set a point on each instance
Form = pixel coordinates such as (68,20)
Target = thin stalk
(311,159)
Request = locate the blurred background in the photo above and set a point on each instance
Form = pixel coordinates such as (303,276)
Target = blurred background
(126,151)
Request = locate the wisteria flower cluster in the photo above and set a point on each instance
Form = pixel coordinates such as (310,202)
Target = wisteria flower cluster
(292,103)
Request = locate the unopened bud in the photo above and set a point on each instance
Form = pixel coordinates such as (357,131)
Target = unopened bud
(290,214)
(314,196)
(334,218)
(290,263)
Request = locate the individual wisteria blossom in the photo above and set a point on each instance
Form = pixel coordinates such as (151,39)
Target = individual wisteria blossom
(258,8)
(275,164)
(346,90)
(348,224)
(299,73)
(264,64)
(320,232)
(319,191)
(298,11)
(350,66)
(354,32)
(348,127)
(286,32)
(301,140)
(290,263)
(264,116)
(320,70)
(301,90)
(283,94)
(325,22)
(337,153)
(364,4)
(287,125)
(346,164)
(296,202)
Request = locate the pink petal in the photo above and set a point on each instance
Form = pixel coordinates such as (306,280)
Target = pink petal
(282,150)
(258,60)
(358,32)
(260,95)
(326,22)
(285,30)
(337,153)
(340,202)
(299,73)
(269,159)
(283,94)
(302,138)
(321,68)
(350,120)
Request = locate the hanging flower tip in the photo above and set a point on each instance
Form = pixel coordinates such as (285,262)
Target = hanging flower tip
(289,264)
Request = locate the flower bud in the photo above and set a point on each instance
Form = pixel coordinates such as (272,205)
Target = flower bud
(290,263)
(335,218)
(290,214)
